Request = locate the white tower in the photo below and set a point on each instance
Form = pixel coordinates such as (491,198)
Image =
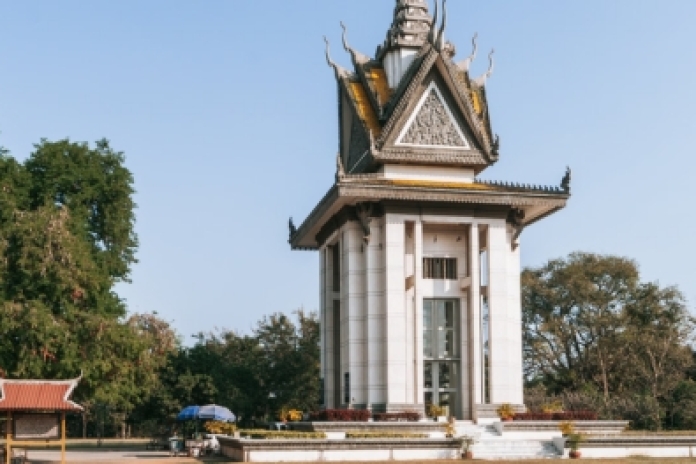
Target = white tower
(419,261)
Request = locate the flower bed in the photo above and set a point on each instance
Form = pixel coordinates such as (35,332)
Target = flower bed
(281,434)
(559,416)
(340,415)
(354,434)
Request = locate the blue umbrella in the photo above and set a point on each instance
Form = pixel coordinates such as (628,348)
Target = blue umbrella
(216,412)
(188,413)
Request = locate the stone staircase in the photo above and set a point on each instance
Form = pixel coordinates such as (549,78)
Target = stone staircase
(491,445)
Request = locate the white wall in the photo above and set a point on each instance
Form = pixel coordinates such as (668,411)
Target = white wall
(428,173)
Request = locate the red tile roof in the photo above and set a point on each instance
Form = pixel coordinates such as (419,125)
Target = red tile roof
(38,395)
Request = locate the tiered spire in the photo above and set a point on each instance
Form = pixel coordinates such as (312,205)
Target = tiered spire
(410,26)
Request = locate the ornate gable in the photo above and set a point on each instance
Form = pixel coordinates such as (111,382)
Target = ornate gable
(432,124)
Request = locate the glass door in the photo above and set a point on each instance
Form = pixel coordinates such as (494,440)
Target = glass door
(441,354)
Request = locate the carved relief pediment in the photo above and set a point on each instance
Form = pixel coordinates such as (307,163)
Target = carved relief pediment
(433,124)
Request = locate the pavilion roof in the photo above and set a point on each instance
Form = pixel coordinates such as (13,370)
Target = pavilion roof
(536,202)
(38,395)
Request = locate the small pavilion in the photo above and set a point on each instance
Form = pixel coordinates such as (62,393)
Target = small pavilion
(36,412)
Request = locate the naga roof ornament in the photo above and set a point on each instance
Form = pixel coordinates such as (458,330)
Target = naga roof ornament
(481,80)
(465,64)
(340,72)
(358,58)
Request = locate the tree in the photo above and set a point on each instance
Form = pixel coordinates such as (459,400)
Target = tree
(591,325)
(66,238)
(572,316)
(291,359)
(254,375)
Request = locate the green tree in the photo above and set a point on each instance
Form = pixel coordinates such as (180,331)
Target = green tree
(572,311)
(593,331)
(66,238)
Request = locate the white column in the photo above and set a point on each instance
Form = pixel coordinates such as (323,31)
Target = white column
(514,313)
(418,323)
(474,349)
(323,290)
(395,312)
(330,325)
(354,309)
(500,349)
(465,385)
(375,315)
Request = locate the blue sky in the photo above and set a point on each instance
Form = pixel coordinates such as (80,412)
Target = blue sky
(226,112)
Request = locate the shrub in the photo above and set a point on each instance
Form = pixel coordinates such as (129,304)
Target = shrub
(560,416)
(555,406)
(407,416)
(351,434)
(566,427)
(533,416)
(281,435)
(341,415)
(218,427)
(435,411)
(505,411)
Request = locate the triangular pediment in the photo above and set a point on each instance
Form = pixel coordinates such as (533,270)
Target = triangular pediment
(433,124)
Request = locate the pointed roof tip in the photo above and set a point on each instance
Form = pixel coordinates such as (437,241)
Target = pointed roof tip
(440,43)
(432,34)
(410,26)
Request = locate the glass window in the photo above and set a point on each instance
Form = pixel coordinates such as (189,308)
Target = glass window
(440,268)
(428,375)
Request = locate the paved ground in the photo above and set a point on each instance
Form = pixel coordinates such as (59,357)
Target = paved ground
(113,457)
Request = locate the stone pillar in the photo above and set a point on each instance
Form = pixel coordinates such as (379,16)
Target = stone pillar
(465,385)
(324,279)
(418,318)
(375,316)
(396,330)
(514,314)
(500,349)
(475,340)
(354,311)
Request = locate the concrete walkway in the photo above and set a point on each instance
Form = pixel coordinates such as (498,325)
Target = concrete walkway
(114,457)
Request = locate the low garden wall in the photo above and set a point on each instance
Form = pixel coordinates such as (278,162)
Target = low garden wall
(404,427)
(625,446)
(366,449)
(593,427)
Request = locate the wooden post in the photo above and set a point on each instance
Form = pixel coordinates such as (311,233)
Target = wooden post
(62,438)
(8,438)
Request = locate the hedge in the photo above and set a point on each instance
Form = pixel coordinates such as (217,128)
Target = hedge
(281,434)
(560,416)
(385,435)
(396,417)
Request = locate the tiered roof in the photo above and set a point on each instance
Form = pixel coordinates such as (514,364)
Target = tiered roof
(433,114)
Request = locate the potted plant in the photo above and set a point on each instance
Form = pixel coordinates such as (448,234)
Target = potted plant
(437,413)
(574,440)
(466,442)
(506,412)
(566,428)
